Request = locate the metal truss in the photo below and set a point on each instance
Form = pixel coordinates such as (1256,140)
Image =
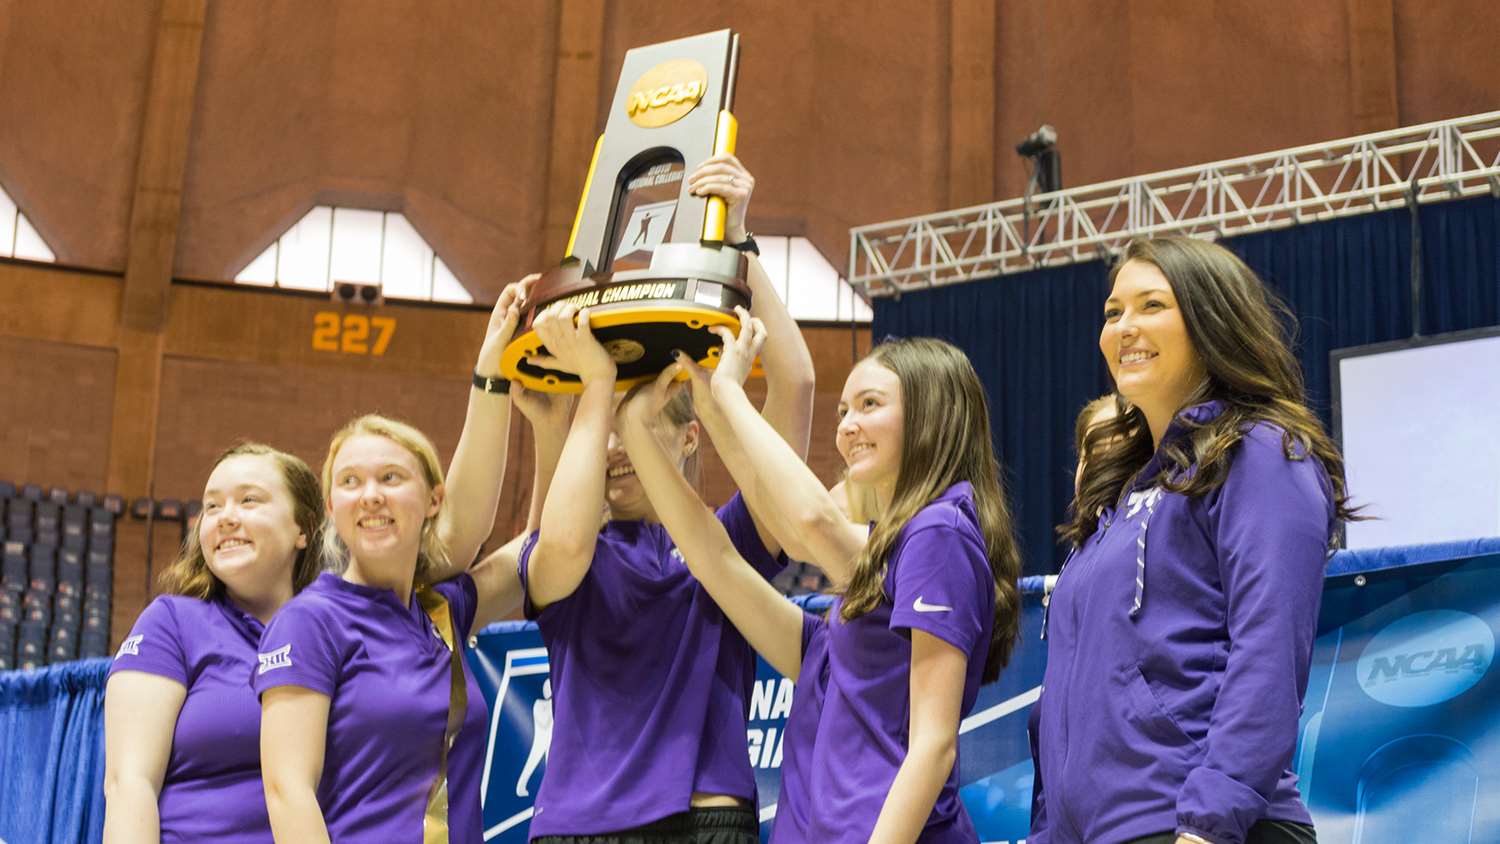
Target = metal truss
(1427,163)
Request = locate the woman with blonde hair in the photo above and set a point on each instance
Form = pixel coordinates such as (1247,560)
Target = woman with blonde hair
(181,723)
(372,730)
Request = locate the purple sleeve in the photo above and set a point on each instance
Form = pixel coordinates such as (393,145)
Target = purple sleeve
(153,645)
(299,649)
(1270,523)
(814,634)
(523,569)
(462,598)
(936,587)
(735,516)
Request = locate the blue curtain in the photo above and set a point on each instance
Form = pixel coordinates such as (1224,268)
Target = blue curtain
(1033,336)
(52,753)
(1034,341)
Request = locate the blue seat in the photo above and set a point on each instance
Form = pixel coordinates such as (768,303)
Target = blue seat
(7,489)
(13,572)
(32,492)
(18,512)
(10,609)
(31,640)
(57,495)
(93,644)
(37,606)
(85,499)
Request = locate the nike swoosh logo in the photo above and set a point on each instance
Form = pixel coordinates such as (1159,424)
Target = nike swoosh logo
(923,606)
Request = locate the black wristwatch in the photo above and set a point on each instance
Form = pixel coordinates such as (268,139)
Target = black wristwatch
(492,384)
(747,245)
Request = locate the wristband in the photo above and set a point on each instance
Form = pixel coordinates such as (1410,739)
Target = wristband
(494,385)
(747,245)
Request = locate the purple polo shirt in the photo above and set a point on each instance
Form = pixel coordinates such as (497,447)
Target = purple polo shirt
(938,581)
(794,805)
(1182,715)
(386,672)
(208,647)
(650,684)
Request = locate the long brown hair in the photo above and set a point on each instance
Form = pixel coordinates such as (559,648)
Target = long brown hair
(432,554)
(945,438)
(189,575)
(1242,333)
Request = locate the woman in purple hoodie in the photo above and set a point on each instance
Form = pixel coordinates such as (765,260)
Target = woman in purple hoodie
(1180,632)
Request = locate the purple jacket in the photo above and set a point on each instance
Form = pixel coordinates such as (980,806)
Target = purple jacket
(1179,639)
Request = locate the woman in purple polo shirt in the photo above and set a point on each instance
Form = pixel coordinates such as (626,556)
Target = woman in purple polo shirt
(929,605)
(181,723)
(1180,632)
(372,730)
(650,687)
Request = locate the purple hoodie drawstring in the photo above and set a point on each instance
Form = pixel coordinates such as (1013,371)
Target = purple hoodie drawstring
(1152,497)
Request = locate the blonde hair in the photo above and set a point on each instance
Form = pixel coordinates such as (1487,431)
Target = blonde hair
(189,574)
(432,553)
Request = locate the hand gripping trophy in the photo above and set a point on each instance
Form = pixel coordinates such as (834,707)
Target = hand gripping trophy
(646,257)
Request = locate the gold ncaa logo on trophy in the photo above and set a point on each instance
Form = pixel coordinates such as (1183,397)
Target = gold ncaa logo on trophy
(645,256)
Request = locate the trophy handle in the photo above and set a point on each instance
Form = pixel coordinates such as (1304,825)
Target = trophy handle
(725,134)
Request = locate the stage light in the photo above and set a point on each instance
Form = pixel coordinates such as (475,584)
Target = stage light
(1039,141)
(1040,149)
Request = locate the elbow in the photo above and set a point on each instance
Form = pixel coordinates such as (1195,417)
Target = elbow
(822,519)
(936,753)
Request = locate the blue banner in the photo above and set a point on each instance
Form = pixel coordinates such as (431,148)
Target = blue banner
(1399,742)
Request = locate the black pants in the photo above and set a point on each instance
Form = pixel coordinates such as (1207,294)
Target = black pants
(716,825)
(1264,832)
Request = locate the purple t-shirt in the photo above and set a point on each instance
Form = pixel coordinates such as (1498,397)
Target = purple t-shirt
(387,674)
(650,685)
(938,581)
(208,647)
(794,806)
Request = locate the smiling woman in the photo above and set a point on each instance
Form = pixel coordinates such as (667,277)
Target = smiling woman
(373,729)
(180,720)
(1204,511)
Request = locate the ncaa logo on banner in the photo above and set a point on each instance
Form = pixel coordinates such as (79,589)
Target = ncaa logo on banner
(1426,658)
(520,735)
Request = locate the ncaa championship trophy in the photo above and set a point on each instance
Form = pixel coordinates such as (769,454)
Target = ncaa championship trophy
(646,257)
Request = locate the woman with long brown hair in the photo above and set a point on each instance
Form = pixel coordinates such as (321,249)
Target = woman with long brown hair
(181,723)
(928,607)
(1180,631)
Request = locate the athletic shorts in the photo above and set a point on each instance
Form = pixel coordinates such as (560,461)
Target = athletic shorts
(1264,832)
(708,825)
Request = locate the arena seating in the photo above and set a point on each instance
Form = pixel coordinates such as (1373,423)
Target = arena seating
(56,574)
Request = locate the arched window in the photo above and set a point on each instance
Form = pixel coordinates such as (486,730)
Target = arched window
(329,245)
(811,288)
(17,237)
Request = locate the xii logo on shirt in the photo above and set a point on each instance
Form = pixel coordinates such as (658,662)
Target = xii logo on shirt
(131,646)
(279,658)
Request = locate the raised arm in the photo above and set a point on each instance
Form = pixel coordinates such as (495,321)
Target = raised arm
(496,580)
(787,362)
(769,622)
(293,739)
(793,503)
(575,501)
(473,480)
(140,716)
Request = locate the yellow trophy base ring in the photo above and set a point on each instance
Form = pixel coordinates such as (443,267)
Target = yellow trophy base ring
(621,329)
